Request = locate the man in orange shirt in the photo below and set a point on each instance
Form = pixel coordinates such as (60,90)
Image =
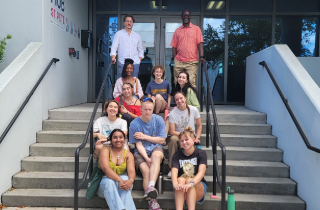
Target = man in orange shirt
(187,47)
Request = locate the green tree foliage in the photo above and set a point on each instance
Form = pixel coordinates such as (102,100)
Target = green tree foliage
(3,44)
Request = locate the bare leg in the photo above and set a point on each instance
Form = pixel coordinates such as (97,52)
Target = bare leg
(180,195)
(191,196)
(145,170)
(156,159)
(160,104)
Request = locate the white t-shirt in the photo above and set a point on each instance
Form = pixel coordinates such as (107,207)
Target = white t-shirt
(104,126)
(182,120)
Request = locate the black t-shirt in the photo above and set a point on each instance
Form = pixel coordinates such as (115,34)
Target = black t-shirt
(198,157)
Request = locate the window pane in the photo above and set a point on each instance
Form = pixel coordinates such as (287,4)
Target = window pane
(246,35)
(140,5)
(214,38)
(106,28)
(214,6)
(180,5)
(297,6)
(300,33)
(250,6)
(106,5)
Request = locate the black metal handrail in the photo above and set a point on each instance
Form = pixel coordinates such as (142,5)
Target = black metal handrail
(215,138)
(285,101)
(89,166)
(53,60)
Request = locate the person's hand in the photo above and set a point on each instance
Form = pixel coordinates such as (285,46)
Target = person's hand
(168,107)
(98,147)
(186,187)
(197,141)
(125,184)
(140,59)
(101,136)
(153,98)
(139,135)
(113,60)
(203,61)
(148,161)
(178,187)
(123,110)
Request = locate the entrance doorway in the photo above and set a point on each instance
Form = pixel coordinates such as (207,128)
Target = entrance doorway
(156,34)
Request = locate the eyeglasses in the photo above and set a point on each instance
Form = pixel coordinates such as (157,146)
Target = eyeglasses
(147,99)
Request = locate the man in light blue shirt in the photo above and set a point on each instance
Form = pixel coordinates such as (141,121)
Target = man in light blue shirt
(129,45)
(148,133)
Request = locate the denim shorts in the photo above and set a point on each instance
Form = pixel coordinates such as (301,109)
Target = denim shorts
(204,193)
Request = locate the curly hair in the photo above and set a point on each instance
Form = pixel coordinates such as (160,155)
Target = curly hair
(155,68)
(127,62)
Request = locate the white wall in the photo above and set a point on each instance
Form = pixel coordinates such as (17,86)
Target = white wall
(303,96)
(67,82)
(21,19)
(312,65)
(16,81)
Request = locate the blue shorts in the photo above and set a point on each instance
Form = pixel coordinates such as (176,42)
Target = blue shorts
(204,193)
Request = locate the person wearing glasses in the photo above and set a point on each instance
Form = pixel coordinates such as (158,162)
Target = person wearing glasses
(129,45)
(187,47)
(148,133)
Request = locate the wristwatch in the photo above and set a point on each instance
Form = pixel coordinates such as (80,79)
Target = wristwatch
(202,56)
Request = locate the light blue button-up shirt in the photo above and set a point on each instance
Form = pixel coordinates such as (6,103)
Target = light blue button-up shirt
(128,46)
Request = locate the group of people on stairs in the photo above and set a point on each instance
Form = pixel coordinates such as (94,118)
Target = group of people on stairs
(134,119)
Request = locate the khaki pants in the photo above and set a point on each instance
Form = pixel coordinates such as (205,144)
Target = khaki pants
(190,67)
(173,146)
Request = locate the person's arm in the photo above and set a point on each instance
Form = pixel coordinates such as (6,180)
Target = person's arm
(139,91)
(193,99)
(200,49)
(152,139)
(118,88)
(140,49)
(105,166)
(174,52)
(143,153)
(126,184)
(199,129)
(114,47)
(172,129)
(174,177)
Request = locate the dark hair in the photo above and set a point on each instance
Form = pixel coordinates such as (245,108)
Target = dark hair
(186,86)
(186,10)
(174,96)
(106,104)
(155,68)
(112,132)
(128,15)
(127,62)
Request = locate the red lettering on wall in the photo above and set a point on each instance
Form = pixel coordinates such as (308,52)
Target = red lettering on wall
(52,12)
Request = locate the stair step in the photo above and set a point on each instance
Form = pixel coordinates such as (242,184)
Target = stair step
(240,140)
(225,128)
(233,153)
(248,185)
(64,198)
(230,113)
(234,168)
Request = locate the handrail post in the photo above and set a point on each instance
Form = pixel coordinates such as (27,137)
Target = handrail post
(201,91)
(91,149)
(208,115)
(76,180)
(103,100)
(214,190)
(223,190)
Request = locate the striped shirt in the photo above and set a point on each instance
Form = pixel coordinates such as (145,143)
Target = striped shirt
(186,40)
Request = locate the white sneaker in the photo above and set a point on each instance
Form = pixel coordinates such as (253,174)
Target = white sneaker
(169,175)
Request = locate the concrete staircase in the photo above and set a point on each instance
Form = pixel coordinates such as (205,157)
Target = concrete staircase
(254,165)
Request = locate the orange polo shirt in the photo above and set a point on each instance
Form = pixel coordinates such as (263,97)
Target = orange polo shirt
(186,40)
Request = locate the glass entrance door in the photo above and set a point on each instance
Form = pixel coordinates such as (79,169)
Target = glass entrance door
(156,34)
